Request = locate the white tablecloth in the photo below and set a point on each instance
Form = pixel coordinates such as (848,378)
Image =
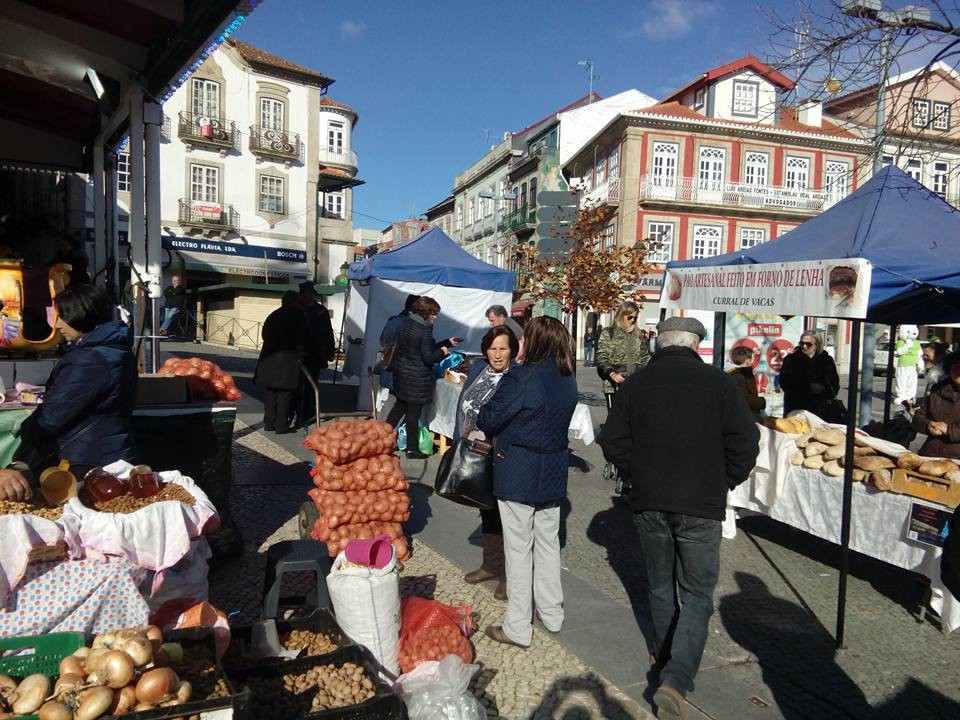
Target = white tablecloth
(811,501)
(441,414)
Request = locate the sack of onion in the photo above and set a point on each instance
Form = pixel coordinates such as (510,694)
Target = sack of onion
(381,472)
(349,440)
(205,379)
(430,630)
(337,538)
(350,508)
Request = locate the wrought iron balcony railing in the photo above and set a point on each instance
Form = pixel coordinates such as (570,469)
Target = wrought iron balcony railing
(524,216)
(709,192)
(203,130)
(606,193)
(194,213)
(275,143)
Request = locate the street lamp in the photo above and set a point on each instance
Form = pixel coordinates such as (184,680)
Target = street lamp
(588,64)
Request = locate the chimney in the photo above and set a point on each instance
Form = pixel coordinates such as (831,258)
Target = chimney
(810,113)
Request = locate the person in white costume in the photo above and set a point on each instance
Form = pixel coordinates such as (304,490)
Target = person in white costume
(909,363)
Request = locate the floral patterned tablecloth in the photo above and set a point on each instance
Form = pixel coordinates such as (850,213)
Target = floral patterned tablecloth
(92,596)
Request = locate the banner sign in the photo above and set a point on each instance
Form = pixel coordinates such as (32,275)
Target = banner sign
(770,338)
(207,211)
(928,525)
(651,284)
(824,288)
(216,247)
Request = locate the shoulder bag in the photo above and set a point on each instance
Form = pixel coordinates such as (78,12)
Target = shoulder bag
(465,474)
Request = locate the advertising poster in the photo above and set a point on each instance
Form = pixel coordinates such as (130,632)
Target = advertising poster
(770,338)
(928,525)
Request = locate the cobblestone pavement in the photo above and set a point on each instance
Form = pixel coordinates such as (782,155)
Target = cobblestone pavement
(544,682)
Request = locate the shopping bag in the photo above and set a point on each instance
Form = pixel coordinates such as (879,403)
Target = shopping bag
(424,441)
(465,474)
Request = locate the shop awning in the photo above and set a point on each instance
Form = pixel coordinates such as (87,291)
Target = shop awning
(271,288)
(68,68)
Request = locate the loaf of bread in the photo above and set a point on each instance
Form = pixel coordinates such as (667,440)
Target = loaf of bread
(863,450)
(937,468)
(803,441)
(794,426)
(834,452)
(910,461)
(796,458)
(859,475)
(953,476)
(813,463)
(814,448)
(870,463)
(829,436)
(832,468)
(881,479)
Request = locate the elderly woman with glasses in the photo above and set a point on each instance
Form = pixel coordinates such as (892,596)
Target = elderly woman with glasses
(621,349)
(809,379)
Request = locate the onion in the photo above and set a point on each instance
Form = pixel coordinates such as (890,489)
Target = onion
(139,649)
(174,652)
(7,684)
(155,636)
(184,691)
(54,710)
(123,701)
(157,685)
(104,640)
(67,684)
(72,665)
(140,707)
(31,694)
(83,652)
(92,703)
(114,669)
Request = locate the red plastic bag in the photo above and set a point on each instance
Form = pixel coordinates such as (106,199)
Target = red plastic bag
(430,630)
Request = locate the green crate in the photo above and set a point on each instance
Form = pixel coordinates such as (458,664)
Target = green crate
(48,651)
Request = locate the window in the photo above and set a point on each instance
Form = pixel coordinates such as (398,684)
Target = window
(501,191)
(335,137)
(781,230)
(206,98)
(661,234)
(608,237)
(886,160)
(459,217)
(941,116)
(915,170)
(745,98)
(941,179)
(523,195)
(710,174)
(470,212)
(271,194)
(614,163)
(706,240)
(204,184)
(664,169)
(271,114)
(698,97)
(533,192)
(835,180)
(123,172)
(490,202)
(755,170)
(750,237)
(921,112)
(600,169)
(797,174)
(335,206)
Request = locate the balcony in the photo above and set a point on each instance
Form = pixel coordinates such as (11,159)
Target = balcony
(201,131)
(208,216)
(275,144)
(606,193)
(338,156)
(738,195)
(521,218)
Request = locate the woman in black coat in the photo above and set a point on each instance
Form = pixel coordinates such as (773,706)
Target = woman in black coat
(278,368)
(413,378)
(809,380)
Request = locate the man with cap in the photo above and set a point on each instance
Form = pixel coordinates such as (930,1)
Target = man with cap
(321,345)
(684,430)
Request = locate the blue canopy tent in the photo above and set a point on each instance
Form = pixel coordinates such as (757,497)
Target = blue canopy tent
(892,230)
(430,264)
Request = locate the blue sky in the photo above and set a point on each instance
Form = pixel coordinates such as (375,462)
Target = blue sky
(434,80)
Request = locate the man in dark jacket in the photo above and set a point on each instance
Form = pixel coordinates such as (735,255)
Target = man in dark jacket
(320,348)
(278,367)
(174,303)
(684,431)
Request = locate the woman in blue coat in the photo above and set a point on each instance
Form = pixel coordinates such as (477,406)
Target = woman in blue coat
(88,400)
(529,416)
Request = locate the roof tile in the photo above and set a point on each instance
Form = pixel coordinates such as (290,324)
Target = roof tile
(256,55)
(788,119)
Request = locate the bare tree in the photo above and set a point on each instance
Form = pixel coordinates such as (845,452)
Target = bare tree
(838,55)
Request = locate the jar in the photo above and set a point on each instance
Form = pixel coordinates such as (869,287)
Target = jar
(103,486)
(143,482)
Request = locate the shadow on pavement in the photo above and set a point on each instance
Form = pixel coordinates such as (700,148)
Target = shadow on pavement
(420,510)
(576,698)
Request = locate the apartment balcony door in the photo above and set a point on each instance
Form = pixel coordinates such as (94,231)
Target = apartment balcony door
(710,176)
(663,172)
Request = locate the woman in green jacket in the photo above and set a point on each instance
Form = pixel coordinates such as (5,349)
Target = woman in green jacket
(621,349)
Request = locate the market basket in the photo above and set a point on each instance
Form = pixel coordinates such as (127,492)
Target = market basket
(319,621)
(48,651)
(384,705)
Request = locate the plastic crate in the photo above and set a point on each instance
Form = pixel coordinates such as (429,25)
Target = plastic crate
(235,701)
(320,621)
(48,651)
(384,705)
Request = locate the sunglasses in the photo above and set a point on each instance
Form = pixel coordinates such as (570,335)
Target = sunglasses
(806,344)
(629,317)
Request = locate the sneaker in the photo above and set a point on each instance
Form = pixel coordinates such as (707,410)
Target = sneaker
(670,703)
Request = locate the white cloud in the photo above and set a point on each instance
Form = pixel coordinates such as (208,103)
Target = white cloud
(667,19)
(352,29)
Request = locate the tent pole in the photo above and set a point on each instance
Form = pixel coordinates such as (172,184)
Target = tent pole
(852,396)
(719,336)
(869,335)
(343,325)
(888,391)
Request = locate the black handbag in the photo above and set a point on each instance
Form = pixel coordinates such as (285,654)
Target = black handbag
(465,475)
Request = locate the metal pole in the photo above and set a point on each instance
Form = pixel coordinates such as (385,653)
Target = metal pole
(99,212)
(848,481)
(112,279)
(889,379)
(719,338)
(153,119)
(316,235)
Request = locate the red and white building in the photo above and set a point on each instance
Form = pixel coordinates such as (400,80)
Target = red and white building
(720,165)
